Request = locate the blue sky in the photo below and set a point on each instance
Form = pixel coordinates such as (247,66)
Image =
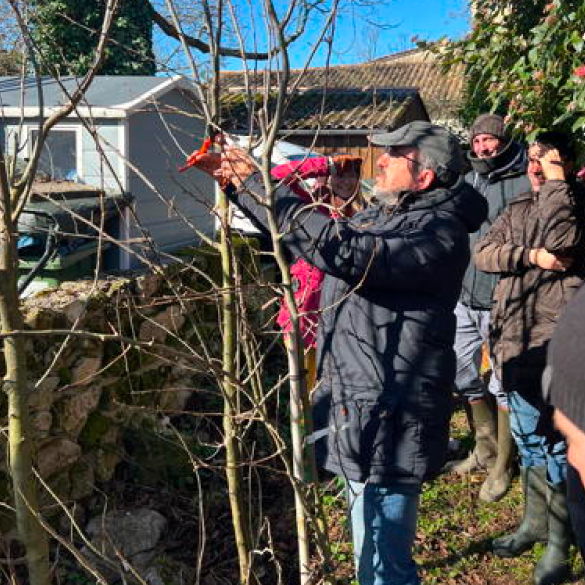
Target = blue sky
(396,23)
(365,29)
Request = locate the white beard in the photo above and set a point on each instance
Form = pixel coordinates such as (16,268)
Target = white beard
(386,197)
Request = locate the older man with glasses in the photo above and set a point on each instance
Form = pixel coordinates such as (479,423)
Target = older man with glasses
(385,359)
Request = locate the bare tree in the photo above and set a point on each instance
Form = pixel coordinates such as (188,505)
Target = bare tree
(238,370)
(14,193)
(268,114)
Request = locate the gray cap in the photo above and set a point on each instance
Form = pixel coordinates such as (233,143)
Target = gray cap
(434,141)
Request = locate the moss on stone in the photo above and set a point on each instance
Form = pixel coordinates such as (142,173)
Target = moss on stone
(65,375)
(155,459)
(95,428)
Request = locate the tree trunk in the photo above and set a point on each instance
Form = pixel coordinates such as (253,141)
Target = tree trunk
(298,427)
(30,531)
(233,455)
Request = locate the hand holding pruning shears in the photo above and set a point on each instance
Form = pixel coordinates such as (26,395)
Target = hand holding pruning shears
(194,156)
(233,165)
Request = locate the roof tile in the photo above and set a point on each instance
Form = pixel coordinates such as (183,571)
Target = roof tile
(327,109)
(440,90)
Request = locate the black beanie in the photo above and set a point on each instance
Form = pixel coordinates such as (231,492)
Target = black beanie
(566,355)
(488,124)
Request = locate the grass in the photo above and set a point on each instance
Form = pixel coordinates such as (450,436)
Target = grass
(455,530)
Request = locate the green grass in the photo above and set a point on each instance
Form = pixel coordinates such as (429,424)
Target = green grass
(455,530)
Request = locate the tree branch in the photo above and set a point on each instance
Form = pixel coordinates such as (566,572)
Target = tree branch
(170,30)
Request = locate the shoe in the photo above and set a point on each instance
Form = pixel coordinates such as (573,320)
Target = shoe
(483,456)
(534,526)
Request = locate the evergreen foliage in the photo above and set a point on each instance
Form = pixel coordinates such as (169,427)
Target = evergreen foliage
(526,59)
(66,34)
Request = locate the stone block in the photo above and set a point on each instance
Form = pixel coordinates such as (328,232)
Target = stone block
(157,327)
(57,454)
(76,407)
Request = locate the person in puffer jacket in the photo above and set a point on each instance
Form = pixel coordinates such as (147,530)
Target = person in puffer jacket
(339,196)
(536,247)
(385,355)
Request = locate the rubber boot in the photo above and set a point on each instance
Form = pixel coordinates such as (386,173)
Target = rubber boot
(499,479)
(554,566)
(484,453)
(534,527)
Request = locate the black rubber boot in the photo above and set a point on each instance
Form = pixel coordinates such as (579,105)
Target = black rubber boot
(533,527)
(554,566)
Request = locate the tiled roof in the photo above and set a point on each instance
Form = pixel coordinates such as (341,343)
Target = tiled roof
(440,91)
(334,109)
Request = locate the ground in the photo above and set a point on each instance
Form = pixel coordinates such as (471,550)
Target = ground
(452,546)
(455,530)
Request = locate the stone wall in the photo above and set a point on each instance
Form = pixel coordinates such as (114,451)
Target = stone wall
(85,391)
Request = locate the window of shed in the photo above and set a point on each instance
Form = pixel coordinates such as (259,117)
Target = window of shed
(58,158)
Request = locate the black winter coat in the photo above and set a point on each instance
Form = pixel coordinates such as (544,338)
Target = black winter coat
(500,180)
(385,359)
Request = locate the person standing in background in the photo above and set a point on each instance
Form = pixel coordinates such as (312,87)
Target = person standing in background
(336,194)
(564,386)
(499,174)
(536,246)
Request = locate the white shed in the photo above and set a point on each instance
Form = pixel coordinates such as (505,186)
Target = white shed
(128,135)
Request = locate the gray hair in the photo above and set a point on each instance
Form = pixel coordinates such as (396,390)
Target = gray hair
(444,177)
(426,161)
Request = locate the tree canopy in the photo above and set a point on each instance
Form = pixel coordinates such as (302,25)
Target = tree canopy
(526,59)
(65,32)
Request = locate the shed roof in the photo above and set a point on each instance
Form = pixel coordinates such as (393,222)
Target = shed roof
(331,109)
(112,96)
(440,90)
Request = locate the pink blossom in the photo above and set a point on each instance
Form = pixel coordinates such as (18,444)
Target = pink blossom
(580,71)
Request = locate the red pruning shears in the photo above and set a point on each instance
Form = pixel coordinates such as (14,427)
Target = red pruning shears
(194,156)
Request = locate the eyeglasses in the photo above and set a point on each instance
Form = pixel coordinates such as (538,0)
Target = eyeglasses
(393,152)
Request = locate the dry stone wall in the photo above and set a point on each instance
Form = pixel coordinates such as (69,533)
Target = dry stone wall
(84,391)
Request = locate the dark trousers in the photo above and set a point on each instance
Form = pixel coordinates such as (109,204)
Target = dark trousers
(576,505)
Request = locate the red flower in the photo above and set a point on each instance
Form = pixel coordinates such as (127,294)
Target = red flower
(580,71)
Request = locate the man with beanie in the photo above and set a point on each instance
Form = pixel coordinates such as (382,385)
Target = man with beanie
(564,386)
(499,174)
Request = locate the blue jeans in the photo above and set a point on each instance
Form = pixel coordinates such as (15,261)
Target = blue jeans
(539,443)
(383,525)
(472,331)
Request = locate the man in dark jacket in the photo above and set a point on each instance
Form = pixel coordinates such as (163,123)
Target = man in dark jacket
(564,382)
(499,174)
(536,246)
(385,341)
